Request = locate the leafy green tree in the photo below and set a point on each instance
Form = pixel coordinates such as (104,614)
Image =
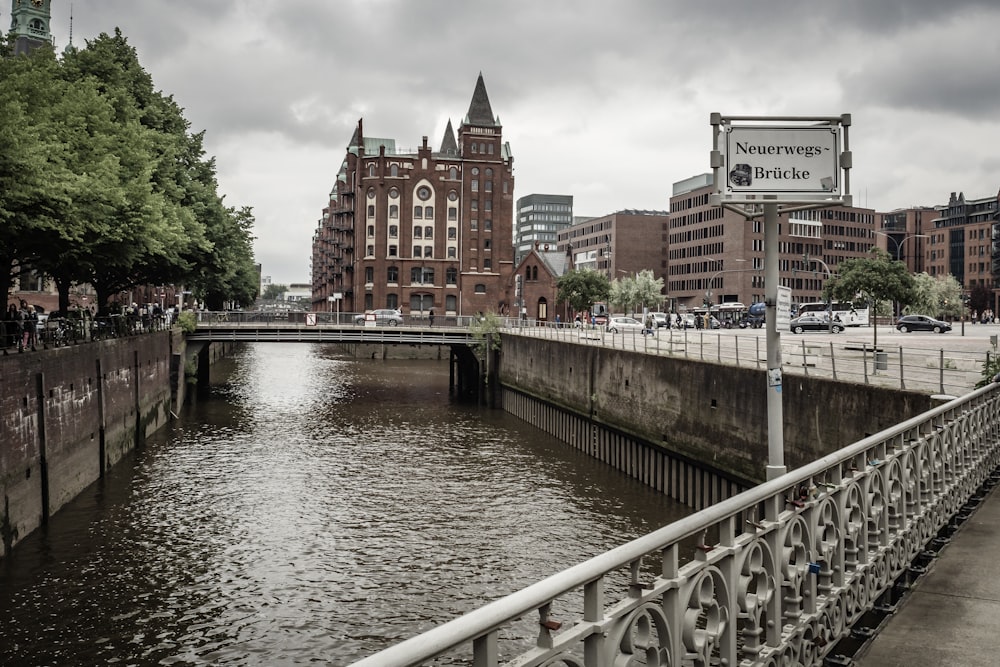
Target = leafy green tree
(937,296)
(637,292)
(581,288)
(871,280)
(274,292)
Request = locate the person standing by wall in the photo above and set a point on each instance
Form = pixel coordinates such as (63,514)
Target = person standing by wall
(430,315)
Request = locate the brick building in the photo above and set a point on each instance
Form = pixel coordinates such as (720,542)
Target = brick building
(718,255)
(415,229)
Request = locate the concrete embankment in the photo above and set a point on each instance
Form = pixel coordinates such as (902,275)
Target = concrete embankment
(69,414)
(693,412)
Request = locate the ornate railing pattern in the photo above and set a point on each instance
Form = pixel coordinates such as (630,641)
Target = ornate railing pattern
(773,576)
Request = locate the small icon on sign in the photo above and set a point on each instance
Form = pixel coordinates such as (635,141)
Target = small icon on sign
(740,175)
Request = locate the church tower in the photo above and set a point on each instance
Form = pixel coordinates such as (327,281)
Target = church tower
(29,23)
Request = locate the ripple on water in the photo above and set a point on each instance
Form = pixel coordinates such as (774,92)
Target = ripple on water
(314,508)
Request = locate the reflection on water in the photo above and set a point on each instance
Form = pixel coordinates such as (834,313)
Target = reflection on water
(312,509)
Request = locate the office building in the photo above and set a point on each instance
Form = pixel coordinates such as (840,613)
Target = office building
(539,220)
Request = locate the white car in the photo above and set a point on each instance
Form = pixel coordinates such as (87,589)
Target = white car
(662,319)
(622,324)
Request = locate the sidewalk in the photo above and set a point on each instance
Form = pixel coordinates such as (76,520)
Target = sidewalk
(952,614)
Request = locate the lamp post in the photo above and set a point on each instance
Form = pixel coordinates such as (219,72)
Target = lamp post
(899,242)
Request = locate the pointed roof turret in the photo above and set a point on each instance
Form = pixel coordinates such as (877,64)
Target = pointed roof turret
(449,145)
(480,112)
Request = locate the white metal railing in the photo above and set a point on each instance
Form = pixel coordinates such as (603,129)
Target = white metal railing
(773,576)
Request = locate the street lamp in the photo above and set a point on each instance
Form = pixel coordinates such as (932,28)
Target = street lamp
(899,242)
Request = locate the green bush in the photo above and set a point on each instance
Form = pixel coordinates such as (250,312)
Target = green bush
(187,322)
(991,367)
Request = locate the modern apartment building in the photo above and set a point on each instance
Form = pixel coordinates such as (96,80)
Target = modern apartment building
(416,229)
(965,241)
(717,255)
(539,220)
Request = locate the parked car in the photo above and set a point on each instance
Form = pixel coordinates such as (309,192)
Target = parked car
(813,323)
(687,322)
(661,319)
(622,324)
(383,316)
(908,323)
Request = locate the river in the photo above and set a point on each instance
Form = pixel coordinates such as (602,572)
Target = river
(311,508)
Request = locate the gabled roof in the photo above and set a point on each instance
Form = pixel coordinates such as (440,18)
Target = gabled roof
(557,263)
(449,146)
(480,111)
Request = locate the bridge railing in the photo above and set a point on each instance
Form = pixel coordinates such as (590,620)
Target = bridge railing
(774,576)
(850,356)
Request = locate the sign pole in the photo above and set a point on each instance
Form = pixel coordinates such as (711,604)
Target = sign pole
(775,422)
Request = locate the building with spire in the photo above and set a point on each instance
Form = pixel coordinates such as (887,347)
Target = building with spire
(420,229)
(29,24)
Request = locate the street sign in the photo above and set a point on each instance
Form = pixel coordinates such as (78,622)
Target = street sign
(310,319)
(784,160)
(783,309)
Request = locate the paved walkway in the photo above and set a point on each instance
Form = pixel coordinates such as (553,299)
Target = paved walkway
(952,614)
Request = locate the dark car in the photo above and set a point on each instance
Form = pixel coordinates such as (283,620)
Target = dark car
(909,323)
(813,323)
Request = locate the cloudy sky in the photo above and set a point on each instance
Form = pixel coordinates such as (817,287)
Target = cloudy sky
(606,101)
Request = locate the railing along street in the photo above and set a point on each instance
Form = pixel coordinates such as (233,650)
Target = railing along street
(774,576)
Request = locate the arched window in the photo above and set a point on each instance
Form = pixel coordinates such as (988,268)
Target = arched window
(480,288)
(371,170)
(394,170)
(453,173)
(428,251)
(418,232)
(534,273)
(392,274)
(428,232)
(394,211)
(429,212)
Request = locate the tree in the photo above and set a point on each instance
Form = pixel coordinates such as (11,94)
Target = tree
(274,292)
(937,296)
(871,280)
(980,298)
(581,288)
(638,291)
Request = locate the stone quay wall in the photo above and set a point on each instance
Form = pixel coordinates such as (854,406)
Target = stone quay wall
(69,414)
(666,420)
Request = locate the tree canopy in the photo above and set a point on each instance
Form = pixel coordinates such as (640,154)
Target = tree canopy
(102,183)
(638,291)
(581,288)
(871,280)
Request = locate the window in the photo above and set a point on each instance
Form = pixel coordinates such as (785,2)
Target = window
(487,224)
(392,300)
(371,191)
(370,251)
(452,253)
(488,186)
(452,233)
(394,170)
(453,173)
(474,224)
(450,303)
(475,170)
(416,251)
(415,274)
(487,265)
(452,213)
(534,273)
(423,193)
(394,211)
(429,212)
(418,232)
(453,195)
(393,193)
(371,210)
(418,212)
(393,250)
(475,185)
(371,230)
(489,173)
(480,288)
(489,204)
(428,232)
(428,251)
(369,274)
(451,276)
(393,231)
(428,276)
(475,204)
(392,274)
(371,170)
(487,244)
(473,147)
